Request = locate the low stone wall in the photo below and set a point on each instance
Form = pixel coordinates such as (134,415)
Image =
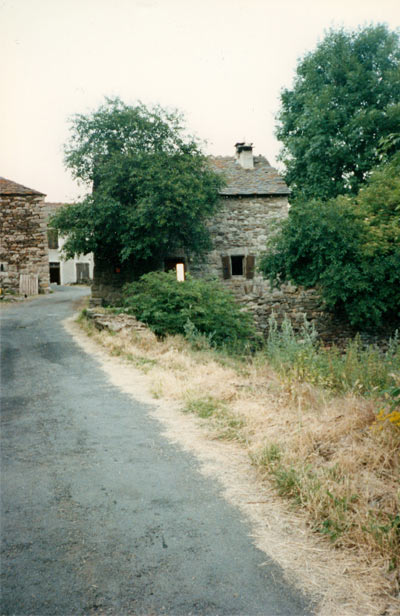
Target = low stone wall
(294,303)
(114,322)
(297,303)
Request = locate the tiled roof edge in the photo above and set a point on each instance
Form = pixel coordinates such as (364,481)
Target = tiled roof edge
(8,187)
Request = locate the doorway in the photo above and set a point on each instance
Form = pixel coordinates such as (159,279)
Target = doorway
(55,273)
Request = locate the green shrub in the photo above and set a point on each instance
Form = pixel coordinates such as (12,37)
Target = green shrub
(203,311)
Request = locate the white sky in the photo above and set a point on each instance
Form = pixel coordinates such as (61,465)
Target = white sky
(222,63)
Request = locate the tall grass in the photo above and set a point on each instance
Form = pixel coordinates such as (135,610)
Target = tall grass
(360,369)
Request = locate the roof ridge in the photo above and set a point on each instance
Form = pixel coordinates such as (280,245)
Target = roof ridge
(263,179)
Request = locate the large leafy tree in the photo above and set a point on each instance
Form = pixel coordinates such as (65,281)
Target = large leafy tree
(347,247)
(152,187)
(345,98)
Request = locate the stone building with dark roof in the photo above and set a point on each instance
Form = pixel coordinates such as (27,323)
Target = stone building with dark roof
(24,261)
(253,200)
(254,197)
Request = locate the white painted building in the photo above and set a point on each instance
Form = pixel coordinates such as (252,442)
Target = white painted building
(70,271)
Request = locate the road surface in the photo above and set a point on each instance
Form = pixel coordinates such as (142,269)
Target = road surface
(100,513)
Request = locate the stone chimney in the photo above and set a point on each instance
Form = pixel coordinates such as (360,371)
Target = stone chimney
(244,155)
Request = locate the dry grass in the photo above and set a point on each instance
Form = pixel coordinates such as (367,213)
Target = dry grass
(324,454)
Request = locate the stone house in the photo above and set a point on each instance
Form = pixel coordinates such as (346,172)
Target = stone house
(30,252)
(253,199)
(23,232)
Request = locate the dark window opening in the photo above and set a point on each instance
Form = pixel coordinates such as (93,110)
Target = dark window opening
(237,265)
(52,238)
(55,273)
(170,264)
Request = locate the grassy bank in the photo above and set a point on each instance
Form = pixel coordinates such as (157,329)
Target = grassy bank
(318,424)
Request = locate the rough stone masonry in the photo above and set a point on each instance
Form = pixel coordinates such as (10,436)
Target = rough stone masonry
(23,232)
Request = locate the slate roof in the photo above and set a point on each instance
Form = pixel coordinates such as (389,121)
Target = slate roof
(8,187)
(262,180)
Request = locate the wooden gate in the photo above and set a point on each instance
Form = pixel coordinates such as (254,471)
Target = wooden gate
(28,284)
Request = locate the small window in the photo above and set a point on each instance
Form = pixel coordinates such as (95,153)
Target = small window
(237,265)
(52,238)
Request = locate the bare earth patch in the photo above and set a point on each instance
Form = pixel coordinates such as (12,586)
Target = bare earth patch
(252,412)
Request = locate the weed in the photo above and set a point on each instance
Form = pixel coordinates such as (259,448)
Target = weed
(288,482)
(227,425)
(299,357)
(203,407)
(331,529)
(199,341)
(269,456)
(143,363)
(385,530)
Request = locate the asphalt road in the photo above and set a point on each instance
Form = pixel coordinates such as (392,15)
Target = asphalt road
(100,513)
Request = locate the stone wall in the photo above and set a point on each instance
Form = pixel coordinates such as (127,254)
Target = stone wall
(108,281)
(291,302)
(23,240)
(241,227)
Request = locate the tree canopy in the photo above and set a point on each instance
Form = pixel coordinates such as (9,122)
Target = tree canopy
(345,99)
(152,187)
(347,247)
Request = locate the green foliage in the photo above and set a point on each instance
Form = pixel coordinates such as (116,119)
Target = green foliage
(203,407)
(152,187)
(299,357)
(194,307)
(344,101)
(349,248)
(386,531)
(378,203)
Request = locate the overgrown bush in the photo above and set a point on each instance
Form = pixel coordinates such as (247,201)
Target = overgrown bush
(203,311)
(348,248)
(361,369)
